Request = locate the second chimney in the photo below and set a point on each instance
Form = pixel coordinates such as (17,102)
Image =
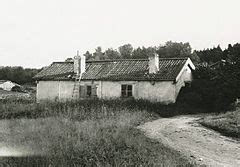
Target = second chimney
(153,63)
(79,65)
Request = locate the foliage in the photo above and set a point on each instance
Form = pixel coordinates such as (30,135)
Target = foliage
(212,55)
(216,54)
(98,54)
(168,50)
(18,74)
(112,54)
(174,49)
(215,89)
(126,51)
(88,55)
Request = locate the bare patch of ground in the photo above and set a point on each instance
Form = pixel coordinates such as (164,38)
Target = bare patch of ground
(202,145)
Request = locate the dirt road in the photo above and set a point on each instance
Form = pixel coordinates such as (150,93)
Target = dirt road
(205,146)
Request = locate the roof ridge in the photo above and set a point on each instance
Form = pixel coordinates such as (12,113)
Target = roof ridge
(62,62)
(114,60)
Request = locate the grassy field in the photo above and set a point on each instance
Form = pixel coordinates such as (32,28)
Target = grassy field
(226,123)
(85,133)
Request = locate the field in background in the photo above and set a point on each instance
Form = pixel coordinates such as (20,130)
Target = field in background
(87,133)
(226,123)
(10,95)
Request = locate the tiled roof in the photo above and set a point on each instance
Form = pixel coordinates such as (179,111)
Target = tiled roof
(116,70)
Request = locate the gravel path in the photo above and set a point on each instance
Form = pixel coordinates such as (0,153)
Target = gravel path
(203,145)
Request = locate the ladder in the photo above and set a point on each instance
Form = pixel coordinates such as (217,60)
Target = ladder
(76,87)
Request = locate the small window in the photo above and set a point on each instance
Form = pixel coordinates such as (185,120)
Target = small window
(89,91)
(126,90)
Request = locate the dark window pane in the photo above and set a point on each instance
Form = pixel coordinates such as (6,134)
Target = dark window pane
(124,87)
(129,93)
(129,87)
(124,90)
(89,90)
(124,93)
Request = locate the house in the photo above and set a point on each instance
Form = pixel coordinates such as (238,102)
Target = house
(155,79)
(8,85)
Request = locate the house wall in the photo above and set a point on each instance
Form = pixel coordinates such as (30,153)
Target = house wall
(163,91)
(54,90)
(159,91)
(186,76)
(112,89)
(58,90)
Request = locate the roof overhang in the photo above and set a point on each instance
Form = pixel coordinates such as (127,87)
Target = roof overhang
(189,64)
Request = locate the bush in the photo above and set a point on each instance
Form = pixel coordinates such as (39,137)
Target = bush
(212,90)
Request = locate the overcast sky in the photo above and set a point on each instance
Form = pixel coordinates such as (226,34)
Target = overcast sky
(34,33)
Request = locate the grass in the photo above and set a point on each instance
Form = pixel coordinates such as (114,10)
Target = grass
(86,133)
(226,123)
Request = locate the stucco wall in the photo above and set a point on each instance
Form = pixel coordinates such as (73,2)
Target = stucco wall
(111,89)
(54,90)
(156,92)
(186,76)
(58,90)
(47,90)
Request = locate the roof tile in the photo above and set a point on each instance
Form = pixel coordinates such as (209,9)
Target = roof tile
(128,69)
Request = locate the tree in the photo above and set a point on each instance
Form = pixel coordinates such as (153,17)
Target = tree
(232,53)
(143,53)
(174,49)
(98,54)
(18,74)
(126,51)
(88,55)
(112,54)
(210,56)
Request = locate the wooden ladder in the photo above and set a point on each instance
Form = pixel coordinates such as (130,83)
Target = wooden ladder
(76,87)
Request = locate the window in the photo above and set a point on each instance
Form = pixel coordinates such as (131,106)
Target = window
(89,91)
(126,90)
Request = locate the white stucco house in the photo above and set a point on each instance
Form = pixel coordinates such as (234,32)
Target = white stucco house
(8,85)
(154,79)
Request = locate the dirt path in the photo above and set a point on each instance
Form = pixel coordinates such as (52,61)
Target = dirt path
(205,146)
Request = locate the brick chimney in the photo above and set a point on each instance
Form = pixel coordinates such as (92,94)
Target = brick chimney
(153,63)
(79,64)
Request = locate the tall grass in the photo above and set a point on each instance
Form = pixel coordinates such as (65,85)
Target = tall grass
(226,123)
(22,108)
(88,133)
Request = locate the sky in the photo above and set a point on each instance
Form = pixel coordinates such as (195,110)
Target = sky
(34,33)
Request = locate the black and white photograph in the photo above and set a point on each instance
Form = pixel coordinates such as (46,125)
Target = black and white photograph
(119,83)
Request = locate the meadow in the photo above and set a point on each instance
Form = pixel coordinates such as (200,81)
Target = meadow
(227,123)
(86,133)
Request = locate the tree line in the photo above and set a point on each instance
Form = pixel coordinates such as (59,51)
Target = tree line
(127,51)
(18,74)
(168,50)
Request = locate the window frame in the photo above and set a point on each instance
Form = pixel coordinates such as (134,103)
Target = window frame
(126,90)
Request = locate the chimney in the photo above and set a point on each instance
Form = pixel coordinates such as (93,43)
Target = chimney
(79,64)
(153,63)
